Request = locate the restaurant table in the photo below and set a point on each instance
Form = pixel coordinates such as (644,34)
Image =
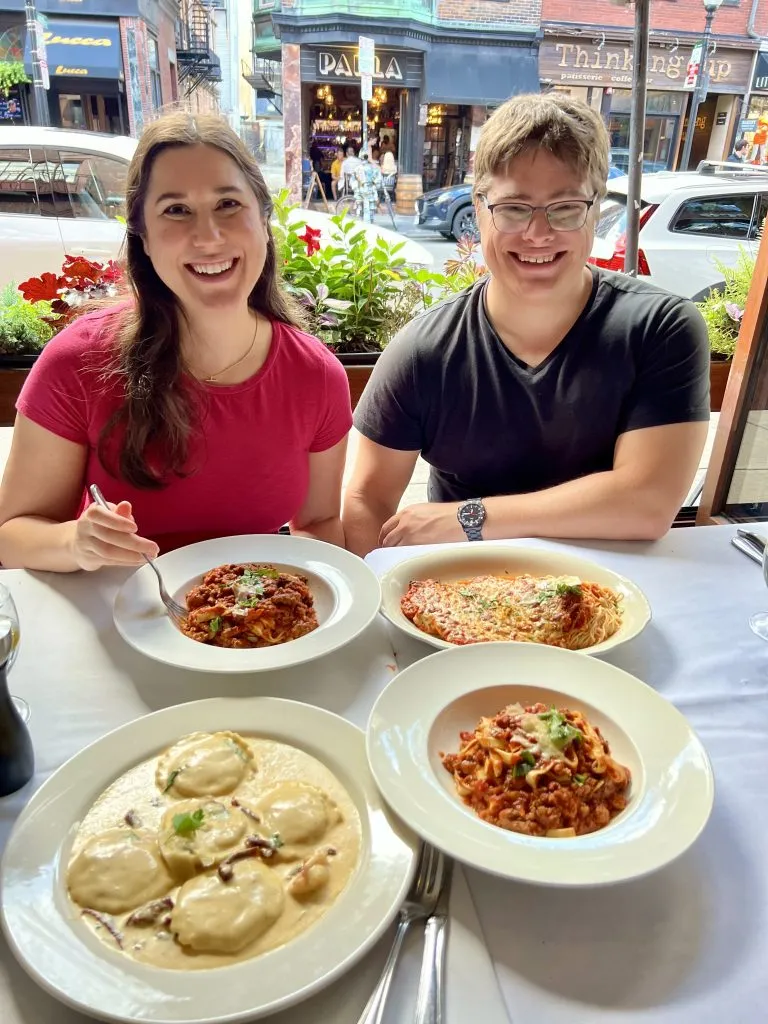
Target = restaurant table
(686,944)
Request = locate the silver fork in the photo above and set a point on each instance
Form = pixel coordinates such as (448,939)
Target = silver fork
(431,997)
(175,610)
(418,906)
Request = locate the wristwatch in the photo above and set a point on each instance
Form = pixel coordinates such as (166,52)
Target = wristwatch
(472,514)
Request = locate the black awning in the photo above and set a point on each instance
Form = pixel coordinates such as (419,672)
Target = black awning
(481,75)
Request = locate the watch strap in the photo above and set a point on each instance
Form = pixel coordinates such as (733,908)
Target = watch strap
(473,532)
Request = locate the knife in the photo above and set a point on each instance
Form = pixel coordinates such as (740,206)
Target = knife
(754,539)
(748,549)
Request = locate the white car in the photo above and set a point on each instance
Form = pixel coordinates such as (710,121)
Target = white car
(688,222)
(62,192)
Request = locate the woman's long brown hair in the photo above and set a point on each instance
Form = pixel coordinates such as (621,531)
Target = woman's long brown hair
(158,413)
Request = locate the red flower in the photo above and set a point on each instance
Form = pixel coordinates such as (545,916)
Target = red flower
(311,238)
(45,287)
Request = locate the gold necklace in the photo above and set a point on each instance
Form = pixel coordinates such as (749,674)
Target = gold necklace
(212,378)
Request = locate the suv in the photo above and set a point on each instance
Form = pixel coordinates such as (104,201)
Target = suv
(688,222)
(61,193)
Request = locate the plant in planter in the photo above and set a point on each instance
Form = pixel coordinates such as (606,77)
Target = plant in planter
(722,312)
(11,73)
(24,326)
(355,295)
(80,281)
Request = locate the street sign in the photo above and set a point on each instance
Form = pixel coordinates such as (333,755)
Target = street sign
(366,87)
(692,70)
(366,56)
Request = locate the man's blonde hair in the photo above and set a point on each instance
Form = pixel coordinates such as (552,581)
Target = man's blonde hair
(564,127)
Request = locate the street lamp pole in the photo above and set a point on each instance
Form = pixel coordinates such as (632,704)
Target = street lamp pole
(700,86)
(39,95)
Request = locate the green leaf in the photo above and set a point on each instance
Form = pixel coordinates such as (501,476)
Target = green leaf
(214,625)
(187,824)
(560,730)
(579,780)
(171,779)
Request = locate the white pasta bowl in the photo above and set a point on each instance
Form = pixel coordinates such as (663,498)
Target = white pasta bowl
(422,711)
(345,591)
(461,562)
(59,950)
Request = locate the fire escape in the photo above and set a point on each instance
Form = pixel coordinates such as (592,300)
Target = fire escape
(197,62)
(266,78)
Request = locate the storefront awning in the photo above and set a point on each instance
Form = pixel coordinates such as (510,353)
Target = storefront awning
(81,48)
(481,75)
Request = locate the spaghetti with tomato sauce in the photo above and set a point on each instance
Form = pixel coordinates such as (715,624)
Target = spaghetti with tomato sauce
(249,605)
(539,771)
(561,611)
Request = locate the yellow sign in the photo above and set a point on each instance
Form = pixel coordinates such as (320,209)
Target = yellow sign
(51,39)
(61,70)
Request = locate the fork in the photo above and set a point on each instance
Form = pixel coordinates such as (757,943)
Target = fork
(431,997)
(418,906)
(175,610)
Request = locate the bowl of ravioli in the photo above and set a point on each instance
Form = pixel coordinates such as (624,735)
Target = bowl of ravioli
(203,872)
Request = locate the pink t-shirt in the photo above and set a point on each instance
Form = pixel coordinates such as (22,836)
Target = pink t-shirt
(250,457)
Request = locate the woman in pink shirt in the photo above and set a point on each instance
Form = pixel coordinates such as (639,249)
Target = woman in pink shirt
(199,408)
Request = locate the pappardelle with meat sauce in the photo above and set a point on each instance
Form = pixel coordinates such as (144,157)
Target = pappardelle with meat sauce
(561,611)
(249,605)
(539,771)
(218,850)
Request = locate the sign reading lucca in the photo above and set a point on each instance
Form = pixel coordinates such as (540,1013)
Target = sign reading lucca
(578,63)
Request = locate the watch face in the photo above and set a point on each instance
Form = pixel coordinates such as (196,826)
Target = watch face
(472,513)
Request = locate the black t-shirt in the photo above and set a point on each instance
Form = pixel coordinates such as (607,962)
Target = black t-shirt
(488,424)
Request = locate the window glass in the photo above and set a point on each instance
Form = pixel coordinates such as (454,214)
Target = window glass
(721,216)
(95,184)
(17,183)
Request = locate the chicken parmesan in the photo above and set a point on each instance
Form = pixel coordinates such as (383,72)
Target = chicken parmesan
(539,771)
(562,611)
(249,606)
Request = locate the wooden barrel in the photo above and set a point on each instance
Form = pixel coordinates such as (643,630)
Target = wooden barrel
(409,188)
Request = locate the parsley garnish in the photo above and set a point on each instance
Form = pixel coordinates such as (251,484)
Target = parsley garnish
(579,780)
(215,625)
(255,575)
(561,732)
(559,590)
(276,841)
(186,824)
(171,779)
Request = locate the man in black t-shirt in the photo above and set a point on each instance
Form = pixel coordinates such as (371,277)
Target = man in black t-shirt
(551,399)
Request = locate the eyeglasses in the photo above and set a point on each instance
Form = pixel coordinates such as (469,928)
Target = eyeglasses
(568,215)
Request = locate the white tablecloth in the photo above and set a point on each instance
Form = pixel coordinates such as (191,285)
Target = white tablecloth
(81,680)
(688,945)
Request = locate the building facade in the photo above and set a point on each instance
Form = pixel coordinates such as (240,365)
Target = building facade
(441,66)
(586,51)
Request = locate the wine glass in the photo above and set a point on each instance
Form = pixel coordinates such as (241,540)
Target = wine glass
(8,611)
(759,623)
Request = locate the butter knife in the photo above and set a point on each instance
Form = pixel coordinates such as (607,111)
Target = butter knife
(431,996)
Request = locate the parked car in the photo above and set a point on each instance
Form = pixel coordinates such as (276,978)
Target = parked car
(688,220)
(620,164)
(447,210)
(62,192)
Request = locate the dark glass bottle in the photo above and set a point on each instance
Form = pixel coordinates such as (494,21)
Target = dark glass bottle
(17,758)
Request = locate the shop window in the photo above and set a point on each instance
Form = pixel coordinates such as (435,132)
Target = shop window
(92,185)
(18,194)
(761,213)
(154,73)
(720,216)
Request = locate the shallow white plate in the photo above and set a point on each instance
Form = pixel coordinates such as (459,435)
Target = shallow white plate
(346,593)
(61,953)
(462,561)
(423,709)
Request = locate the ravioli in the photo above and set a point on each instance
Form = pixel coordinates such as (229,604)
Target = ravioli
(223,917)
(117,870)
(205,764)
(297,812)
(187,852)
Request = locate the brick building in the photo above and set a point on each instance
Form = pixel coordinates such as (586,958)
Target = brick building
(441,65)
(586,50)
(111,63)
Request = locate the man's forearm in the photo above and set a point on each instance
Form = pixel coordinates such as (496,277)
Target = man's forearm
(602,506)
(362,521)
(329,530)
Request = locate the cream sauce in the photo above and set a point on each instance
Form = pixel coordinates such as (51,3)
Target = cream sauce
(273,765)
